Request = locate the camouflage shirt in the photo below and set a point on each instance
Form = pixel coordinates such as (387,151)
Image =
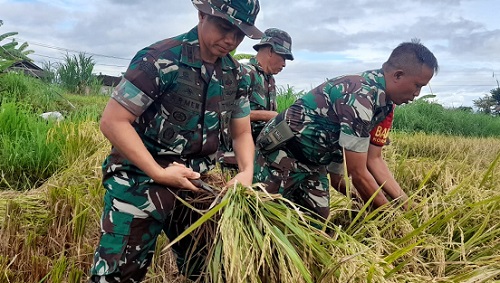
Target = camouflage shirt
(183,105)
(263,96)
(338,113)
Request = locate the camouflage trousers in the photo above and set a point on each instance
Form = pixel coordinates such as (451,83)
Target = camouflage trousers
(302,184)
(136,211)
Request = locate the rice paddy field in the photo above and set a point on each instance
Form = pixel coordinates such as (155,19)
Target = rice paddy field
(49,225)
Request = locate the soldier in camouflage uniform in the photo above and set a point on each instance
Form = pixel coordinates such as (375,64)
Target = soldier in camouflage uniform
(375,163)
(273,49)
(333,121)
(178,101)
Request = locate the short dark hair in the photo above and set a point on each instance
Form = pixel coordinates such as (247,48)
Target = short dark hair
(409,55)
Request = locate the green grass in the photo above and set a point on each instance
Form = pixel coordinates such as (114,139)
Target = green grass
(33,149)
(432,118)
(286,97)
(38,96)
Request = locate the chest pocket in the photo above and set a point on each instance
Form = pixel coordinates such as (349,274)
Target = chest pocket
(226,112)
(226,106)
(182,108)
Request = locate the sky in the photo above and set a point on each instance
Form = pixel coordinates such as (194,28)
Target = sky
(329,37)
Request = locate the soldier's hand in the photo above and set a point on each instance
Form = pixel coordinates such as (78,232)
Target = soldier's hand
(245,178)
(410,204)
(177,176)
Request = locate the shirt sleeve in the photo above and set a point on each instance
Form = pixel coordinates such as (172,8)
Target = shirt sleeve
(379,135)
(140,84)
(355,111)
(242,108)
(131,97)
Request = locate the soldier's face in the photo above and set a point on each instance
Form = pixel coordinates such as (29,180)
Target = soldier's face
(404,87)
(275,63)
(217,37)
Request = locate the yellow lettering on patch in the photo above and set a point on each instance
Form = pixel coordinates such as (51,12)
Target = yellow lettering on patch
(382,132)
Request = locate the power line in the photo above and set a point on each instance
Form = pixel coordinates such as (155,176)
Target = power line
(122,66)
(96,64)
(71,50)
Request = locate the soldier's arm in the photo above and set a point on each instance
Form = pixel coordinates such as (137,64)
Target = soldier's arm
(262,115)
(378,168)
(244,149)
(116,125)
(362,179)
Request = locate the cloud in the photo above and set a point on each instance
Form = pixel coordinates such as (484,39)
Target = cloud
(330,37)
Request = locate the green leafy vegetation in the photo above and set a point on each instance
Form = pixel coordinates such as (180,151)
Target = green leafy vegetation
(489,103)
(432,118)
(31,148)
(10,52)
(75,74)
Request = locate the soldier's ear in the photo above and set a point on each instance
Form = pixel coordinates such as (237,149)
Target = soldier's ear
(398,74)
(270,51)
(201,15)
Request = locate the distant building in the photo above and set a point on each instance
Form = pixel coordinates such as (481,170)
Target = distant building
(28,68)
(108,83)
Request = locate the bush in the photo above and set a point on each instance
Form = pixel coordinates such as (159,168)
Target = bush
(432,118)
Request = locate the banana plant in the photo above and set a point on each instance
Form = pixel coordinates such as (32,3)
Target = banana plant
(10,52)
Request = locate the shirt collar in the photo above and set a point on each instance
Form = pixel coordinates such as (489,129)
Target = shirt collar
(257,66)
(378,79)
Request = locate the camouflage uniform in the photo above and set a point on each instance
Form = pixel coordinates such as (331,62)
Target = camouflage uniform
(263,87)
(337,114)
(379,136)
(263,96)
(183,109)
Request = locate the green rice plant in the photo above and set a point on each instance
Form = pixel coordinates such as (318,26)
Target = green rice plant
(26,157)
(58,270)
(75,275)
(87,107)
(14,87)
(76,139)
(286,97)
(34,94)
(32,149)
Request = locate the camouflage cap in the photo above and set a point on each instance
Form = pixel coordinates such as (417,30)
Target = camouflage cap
(241,13)
(279,40)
